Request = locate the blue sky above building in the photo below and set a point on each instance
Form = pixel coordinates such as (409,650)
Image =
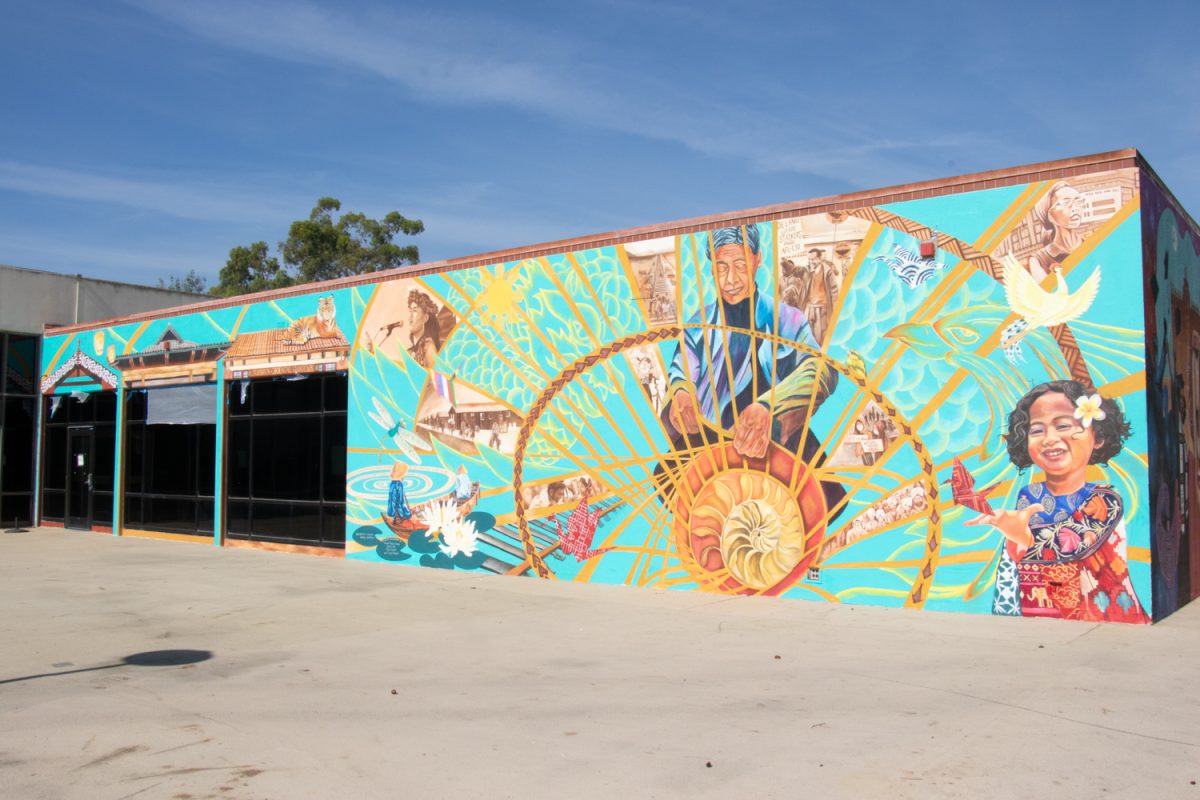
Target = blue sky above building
(143,139)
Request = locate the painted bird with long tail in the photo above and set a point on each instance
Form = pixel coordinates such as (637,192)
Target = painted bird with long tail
(581,529)
(1039,308)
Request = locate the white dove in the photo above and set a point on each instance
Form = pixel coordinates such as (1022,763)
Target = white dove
(1039,308)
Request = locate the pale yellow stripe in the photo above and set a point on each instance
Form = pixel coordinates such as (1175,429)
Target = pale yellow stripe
(1123,386)
(58,354)
(133,337)
(363,320)
(204,538)
(1005,223)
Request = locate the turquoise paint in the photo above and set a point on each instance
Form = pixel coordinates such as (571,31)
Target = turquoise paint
(119,461)
(964,216)
(37,462)
(219,458)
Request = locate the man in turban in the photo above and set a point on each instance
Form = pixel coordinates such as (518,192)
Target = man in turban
(727,378)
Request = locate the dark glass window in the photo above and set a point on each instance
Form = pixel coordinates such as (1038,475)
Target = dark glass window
(20,365)
(171,459)
(135,406)
(54,505)
(102,503)
(238,520)
(237,458)
(103,459)
(335,395)
(16,507)
(104,406)
(286,460)
(131,507)
(18,426)
(169,514)
(57,409)
(287,396)
(80,409)
(169,472)
(135,457)
(333,458)
(66,417)
(54,458)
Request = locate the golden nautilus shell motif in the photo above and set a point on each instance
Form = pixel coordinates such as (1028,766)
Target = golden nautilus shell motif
(749,525)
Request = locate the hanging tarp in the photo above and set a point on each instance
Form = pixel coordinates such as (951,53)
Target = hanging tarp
(182,405)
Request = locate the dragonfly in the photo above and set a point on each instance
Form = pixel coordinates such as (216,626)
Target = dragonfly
(406,441)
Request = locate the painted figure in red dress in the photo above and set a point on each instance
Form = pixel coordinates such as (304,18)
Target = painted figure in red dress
(1065,553)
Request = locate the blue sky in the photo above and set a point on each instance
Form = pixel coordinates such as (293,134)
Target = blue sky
(142,139)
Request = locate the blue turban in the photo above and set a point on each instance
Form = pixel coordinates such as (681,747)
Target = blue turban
(733,235)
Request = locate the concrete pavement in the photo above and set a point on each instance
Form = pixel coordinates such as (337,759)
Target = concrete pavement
(320,678)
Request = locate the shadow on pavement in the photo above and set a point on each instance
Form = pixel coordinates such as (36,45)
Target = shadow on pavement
(150,658)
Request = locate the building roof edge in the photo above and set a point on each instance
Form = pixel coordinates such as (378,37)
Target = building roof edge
(1044,170)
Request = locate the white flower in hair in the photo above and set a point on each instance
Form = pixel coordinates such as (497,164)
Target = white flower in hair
(1088,409)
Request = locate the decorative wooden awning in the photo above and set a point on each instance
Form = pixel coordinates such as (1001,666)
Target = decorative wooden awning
(171,360)
(266,353)
(80,372)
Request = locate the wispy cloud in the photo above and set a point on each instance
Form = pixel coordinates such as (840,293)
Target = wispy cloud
(172,195)
(465,60)
(136,262)
(438,57)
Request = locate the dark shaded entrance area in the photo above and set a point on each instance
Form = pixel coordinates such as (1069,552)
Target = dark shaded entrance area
(77,459)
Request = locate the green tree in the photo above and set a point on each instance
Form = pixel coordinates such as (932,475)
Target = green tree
(321,248)
(251,269)
(192,282)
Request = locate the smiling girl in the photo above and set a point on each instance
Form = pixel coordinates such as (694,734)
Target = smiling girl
(1065,546)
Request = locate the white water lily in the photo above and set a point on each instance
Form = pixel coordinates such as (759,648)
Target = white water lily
(439,515)
(459,537)
(1087,409)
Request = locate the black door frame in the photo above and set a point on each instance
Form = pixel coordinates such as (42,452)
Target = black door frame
(87,433)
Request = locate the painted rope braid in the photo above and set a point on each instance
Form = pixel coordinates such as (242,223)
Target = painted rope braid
(535,413)
(920,587)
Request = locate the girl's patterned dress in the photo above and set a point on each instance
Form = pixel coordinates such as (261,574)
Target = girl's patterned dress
(1076,567)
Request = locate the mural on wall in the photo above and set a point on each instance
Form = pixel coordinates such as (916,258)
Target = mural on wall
(779,408)
(1172,254)
(936,403)
(288,336)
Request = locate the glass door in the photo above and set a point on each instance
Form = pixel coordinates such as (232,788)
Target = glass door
(80,480)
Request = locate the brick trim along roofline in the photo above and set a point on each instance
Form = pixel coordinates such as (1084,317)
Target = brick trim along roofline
(1047,170)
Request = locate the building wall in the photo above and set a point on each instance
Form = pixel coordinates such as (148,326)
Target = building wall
(1171,244)
(31,299)
(554,387)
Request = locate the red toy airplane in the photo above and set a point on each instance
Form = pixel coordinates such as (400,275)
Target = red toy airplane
(962,483)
